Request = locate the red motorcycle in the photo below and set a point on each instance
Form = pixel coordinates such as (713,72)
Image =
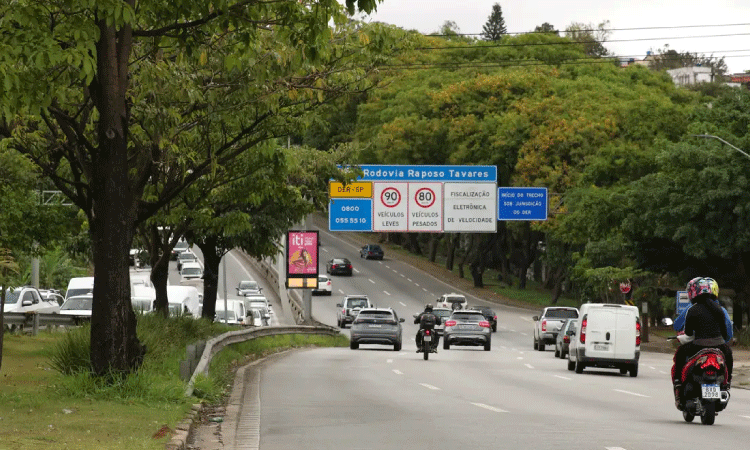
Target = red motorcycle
(704,386)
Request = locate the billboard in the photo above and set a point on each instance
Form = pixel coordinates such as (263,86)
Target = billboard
(302,259)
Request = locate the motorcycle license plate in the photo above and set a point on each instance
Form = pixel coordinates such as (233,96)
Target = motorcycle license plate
(428,338)
(710,391)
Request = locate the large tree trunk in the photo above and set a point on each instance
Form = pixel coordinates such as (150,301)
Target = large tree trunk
(114,344)
(453,240)
(160,278)
(211,262)
(434,242)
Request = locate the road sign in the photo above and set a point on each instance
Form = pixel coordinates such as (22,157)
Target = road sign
(469,207)
(682,302)
(351,190)
(521,203)
(350,214)
(390,207)
(425,207)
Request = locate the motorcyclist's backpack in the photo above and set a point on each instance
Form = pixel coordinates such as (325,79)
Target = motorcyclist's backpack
(427,321)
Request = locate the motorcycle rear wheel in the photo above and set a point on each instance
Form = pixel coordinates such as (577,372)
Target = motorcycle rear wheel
(709,413)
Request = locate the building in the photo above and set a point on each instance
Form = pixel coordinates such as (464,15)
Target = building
(686,76)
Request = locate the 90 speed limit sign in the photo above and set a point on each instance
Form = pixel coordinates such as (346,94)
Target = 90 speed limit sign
(390,207)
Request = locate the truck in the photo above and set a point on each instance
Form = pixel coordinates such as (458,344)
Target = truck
(548,324)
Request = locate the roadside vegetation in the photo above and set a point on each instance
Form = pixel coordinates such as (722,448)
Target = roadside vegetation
(50,398)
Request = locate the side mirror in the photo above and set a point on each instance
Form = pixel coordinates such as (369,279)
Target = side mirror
(401,319)
(238,290)
(340,305)
(667,322)
(535,318)
(26,303)
(569,332)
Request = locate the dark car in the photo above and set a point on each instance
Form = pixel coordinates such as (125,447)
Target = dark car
(562,343)
(376,326)
(467,327)
(371,251)
(339,266)
(488,314)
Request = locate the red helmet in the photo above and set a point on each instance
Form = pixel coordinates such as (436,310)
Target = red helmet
(699,286)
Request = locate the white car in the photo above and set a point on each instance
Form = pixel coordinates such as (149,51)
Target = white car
(443,313)
(191,271)
(28,298)
(324,285)
(452,301)
(78,305)
(257,300)
(249,287)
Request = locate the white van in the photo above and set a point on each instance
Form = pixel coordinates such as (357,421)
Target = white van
(79,286)
(235,305)
(183,300)
(607,335)
(142,298)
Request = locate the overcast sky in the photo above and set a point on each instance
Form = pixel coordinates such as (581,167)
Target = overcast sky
(691,22)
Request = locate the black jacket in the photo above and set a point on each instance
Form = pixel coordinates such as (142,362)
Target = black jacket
(705,320)
(418,319)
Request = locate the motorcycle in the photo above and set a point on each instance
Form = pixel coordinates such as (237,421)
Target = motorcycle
(428,337)
(704,384)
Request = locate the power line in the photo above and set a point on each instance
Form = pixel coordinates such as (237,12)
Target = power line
(520,33)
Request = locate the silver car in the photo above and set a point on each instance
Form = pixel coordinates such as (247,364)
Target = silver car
(443,313)
(377,326)
(467,327)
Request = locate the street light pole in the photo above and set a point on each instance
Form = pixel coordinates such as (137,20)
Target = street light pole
(711,136)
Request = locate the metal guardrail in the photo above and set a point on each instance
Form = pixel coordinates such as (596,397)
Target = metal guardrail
(213,346)
(36,320)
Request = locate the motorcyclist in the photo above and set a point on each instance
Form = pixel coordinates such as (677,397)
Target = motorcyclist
(705,322)
(426,324)
(679,322)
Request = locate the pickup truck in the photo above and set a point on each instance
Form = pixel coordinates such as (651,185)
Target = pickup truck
(27,299)
(548,324)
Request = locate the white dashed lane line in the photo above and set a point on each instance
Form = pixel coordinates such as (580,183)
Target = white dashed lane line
(371,281)
(562,377)
(529,366)
(491,408)
(386,293)
(402,303)
(429,386)
(397,372)
(631,393)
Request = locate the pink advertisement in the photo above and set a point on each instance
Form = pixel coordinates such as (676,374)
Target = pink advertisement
(302,253)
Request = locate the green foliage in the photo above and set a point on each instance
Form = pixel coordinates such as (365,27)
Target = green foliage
(495,28)
(71,353)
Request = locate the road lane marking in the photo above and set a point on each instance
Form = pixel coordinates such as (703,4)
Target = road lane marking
(613,448)
(403,276)
(525,318)
(389,361)
(429,386)
(397,372)
(371,281)
(409,280)
(519,357)
(386,293)
(402,303)
(745,417)
(631,393)
(356,270)
(652,368)
(424,289)
(562,377)
(387,266)
(416,284)
(491,408)
(529,366)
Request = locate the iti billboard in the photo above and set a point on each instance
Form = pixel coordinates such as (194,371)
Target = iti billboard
(302,259)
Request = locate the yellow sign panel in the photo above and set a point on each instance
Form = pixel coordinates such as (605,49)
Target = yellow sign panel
(351,190)
(302,283)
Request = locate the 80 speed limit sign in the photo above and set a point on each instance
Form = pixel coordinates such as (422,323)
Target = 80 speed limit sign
(425,207)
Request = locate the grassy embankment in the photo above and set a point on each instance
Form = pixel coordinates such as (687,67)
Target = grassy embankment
(46,401)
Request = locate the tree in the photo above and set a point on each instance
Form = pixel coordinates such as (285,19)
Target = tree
(83,98)
(546,27)
(590,37)
(666,58)
(494,29)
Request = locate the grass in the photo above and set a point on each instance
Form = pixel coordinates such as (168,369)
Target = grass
(43,408)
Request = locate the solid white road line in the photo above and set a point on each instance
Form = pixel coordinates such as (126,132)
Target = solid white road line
(429,386)
(631,393)
(491,408)
(371,281)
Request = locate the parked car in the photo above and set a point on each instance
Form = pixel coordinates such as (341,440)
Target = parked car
(548,324)
(52,294)
(78,305)
(562,343)
(607,335)
(452,301)
(443,313)
(179,247)
(79,286)
(489,314)
(350,307)
(339,266)
(376,326)
(371,251)
(467,327)
(186,257)
(26,299)
(191,271)
(249,287)
(324,285)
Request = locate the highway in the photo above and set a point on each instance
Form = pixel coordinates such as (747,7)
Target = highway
(509,398)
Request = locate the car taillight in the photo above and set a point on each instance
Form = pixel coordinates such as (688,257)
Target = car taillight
(484,324)
(637,334)
(583,331)
(566,339)
(348,266)
(544,325)
(343,311)
(450,323)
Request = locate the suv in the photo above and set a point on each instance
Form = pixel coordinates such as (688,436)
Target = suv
(369,251)
(549,323)
(377,326)
(350,307)
(26,299)
(453,301)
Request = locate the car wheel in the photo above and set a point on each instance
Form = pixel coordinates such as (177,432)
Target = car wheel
(579,366)
(541,346)
(557,352)
(634,370)
(446,345)
(353,345)
(623,370)
(571,365)
(487,346)
(397,347)
(536,345)
(494,328)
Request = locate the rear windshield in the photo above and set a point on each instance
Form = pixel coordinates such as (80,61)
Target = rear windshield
(376,314)
(357,303)
(467,316)
(442,312)
(455,299)
(77,303)
(562,313)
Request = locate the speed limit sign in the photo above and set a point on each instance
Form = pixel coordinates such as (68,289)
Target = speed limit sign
(390,207)
(424,197)
(390,197)
(425,207)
